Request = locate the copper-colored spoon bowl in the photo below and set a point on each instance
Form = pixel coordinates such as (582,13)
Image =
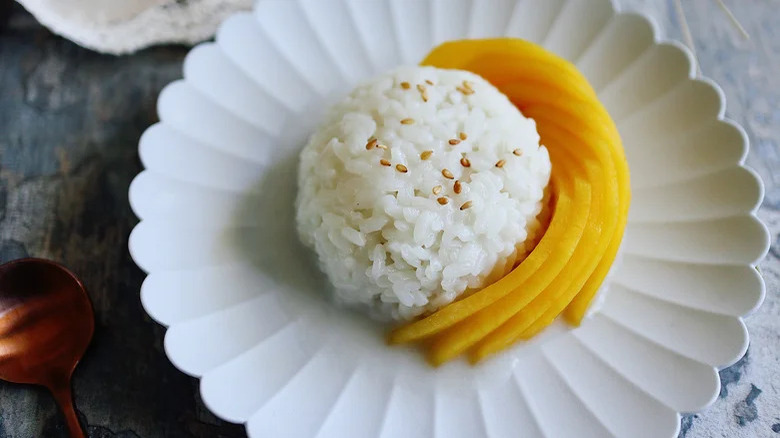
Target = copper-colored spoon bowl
(46,323)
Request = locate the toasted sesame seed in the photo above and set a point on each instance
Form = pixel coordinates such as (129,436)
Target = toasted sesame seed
(443,200)
(384,162)
(382,146)
(467,85)
(407,121)
(401,168)
(429,82)
(447,174)
(500,163)
(423,92)
(437,190)
(371,143)
(454,141)
(466,205)
(463,136)
(465,162)
(464,90)
(456,188)
(425,155)
(517,152)
(405,85)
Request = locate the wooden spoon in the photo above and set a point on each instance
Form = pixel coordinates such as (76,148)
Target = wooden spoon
(46,323)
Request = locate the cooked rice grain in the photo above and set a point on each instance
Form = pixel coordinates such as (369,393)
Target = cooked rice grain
(382,234)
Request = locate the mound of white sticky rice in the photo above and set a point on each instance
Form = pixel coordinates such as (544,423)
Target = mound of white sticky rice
(378,200)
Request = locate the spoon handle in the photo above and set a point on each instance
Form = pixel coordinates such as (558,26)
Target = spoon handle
(64,397)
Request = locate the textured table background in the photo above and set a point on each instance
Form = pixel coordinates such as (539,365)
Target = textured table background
(70,120)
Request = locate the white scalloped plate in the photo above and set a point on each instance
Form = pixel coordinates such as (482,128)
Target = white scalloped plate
(243,302)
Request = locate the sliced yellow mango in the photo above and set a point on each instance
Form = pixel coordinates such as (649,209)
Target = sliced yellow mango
(598,127)
(462,336)
(559,293)
(590,184)
(576,310)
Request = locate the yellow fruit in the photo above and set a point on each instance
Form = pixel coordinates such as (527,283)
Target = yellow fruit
(574,199)
(591,188)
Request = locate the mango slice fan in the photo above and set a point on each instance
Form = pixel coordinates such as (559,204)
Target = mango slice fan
(590,195)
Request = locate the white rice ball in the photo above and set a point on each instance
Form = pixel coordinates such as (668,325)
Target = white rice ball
(390,229)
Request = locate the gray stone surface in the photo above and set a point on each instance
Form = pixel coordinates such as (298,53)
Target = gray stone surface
(70,121)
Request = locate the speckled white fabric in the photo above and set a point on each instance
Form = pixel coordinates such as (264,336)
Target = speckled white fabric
(120,27)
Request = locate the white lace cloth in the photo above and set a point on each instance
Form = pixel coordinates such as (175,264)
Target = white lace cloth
(124,26)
